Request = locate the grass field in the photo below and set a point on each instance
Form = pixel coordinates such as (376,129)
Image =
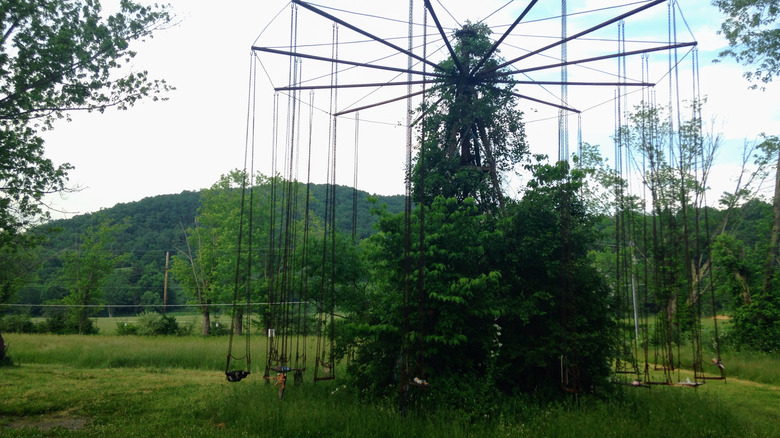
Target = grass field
(109,385)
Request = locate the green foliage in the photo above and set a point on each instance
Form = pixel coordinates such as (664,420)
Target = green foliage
(473,132)
(17,265)
(753,34)
(738,260)
(125,328)
(86,269)
(60,321)
(153,324)
(491,307)
(153,229)
(478,293)
(59,56)
(757,324)
(16,324)
(553,305)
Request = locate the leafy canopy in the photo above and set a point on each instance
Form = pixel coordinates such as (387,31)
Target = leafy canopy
(754,36)
(56,57)
(473,132)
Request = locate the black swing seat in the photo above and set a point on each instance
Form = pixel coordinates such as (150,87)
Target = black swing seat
(236,375)
(331,377)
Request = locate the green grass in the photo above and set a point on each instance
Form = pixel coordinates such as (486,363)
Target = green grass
(174,386)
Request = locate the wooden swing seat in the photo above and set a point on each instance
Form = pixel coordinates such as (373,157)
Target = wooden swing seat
(689,383)
(317,379)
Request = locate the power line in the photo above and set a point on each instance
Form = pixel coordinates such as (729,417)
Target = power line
(126,306)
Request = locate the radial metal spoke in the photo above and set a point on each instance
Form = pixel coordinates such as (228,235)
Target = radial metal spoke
(429,7)
(503,37)
(364,33)
(384,102)
(342,61)
(544,102)
(605,84)
(598,58)
(575,36)
(368,85)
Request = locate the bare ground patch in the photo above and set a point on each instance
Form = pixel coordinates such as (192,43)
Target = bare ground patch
(48,422)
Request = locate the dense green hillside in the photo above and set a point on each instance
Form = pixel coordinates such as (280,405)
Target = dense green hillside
(155,227)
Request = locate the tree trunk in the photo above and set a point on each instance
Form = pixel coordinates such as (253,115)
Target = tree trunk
(206,322)
(771,261)
(239,328)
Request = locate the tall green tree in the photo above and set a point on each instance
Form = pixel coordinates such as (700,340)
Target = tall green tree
(210,268)
(754,36)
(473,132)
(86,269)
(465,292)
(753,31)
(56,57)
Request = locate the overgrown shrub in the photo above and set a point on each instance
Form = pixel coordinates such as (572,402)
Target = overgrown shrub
(186,328)
(757,324)
(218,329)
(60,322)
(126,328)
(16,324)
(154,324)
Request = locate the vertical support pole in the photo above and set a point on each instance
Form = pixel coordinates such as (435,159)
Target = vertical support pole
(563,116)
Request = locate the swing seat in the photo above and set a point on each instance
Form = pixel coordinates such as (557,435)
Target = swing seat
(236,375)
(317,379)
(419,382)
(690,383)
(281,369)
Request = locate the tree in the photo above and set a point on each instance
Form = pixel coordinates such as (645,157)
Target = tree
(754,36)
(473,132)
(207,269)
(57,57)
(477,297)
(554,302)
(86,269)
(753,32)
(17,265)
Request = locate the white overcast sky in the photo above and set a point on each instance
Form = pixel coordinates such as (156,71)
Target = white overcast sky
(187,142)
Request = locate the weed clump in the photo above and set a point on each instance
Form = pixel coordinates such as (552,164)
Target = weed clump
(153,324)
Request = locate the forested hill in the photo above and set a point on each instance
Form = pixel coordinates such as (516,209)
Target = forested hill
(154,228)
(155,222)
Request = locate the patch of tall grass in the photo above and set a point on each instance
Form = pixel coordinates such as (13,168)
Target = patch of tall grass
(101,351)
(753,365)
